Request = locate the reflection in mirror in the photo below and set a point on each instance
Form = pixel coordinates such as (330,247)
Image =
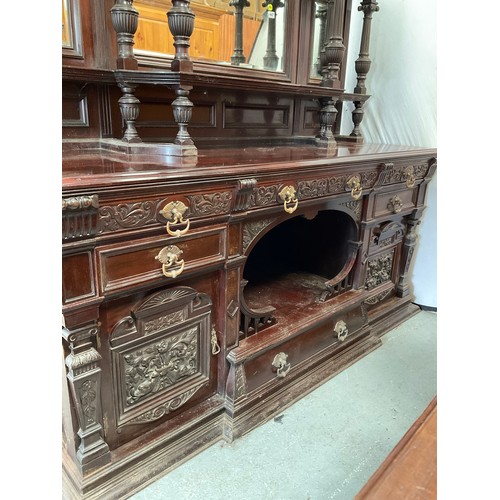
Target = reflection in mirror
(245,33)
(319,34)
(66,25)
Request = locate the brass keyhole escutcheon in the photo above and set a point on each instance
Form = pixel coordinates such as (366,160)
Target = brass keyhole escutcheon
(174,213)
(290,201)
(169,256)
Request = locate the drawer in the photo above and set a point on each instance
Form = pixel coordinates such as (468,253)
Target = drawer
(394,202)
(139,262)
(324,339)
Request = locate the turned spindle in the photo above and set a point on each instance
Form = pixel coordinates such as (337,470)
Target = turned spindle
(332,53)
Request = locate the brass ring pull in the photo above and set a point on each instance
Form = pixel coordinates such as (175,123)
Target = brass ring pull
(280,365)
(213,341)
(169,256)
(290,202)
(174,213)
(341,330)
(354,184)
(178,232)
(395,204)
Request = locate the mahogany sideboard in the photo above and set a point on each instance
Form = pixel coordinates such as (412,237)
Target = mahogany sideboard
(221,261)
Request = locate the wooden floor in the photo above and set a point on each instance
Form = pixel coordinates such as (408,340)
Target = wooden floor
(410,470)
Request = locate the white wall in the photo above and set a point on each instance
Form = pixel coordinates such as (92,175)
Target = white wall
(403,106)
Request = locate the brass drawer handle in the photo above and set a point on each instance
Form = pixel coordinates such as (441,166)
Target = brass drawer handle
(395,204)
(341,330)
(409,175)
(287,195)
(174,213)
(354,184)
(280,365)
(169,256)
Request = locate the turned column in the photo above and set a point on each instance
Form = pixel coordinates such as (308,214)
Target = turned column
(238,57)
(363,62)
(181,25)
(84,380)
(271,59)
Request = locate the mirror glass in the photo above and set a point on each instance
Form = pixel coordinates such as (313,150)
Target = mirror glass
(319,30)
(66,24)
(245,33)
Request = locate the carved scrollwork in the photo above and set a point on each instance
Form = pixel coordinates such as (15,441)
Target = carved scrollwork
(165,408)
(355,206)
(265,195)
(313,188)
(374,299)
(128,215)
(209,204)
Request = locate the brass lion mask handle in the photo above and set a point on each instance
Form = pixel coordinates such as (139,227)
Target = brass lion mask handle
(169,256)
(354,184)
(290,201)
(174,213)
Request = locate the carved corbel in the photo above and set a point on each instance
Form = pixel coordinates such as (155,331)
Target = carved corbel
(84,377)
(403,288)
(79,216)
(244,194)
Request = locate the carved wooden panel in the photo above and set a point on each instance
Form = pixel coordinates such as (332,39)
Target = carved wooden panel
(379,269)
(160,355)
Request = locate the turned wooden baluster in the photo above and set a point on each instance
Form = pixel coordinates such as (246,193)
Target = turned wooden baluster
(238,57)
(327,117)
(403,287)
(271,59)
(181,25)
(125,19)
(363,62)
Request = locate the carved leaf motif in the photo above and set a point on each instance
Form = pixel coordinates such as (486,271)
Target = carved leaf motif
(127,215)
(209,204)
(264,196)
(252,229)
(313,188)
(355,206)
(160,364)
(336,184)
(88,394)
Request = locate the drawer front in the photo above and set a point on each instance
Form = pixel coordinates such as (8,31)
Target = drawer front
(394,202)
(334,334)
(138,262)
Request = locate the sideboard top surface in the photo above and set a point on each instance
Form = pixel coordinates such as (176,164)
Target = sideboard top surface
(82,169)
